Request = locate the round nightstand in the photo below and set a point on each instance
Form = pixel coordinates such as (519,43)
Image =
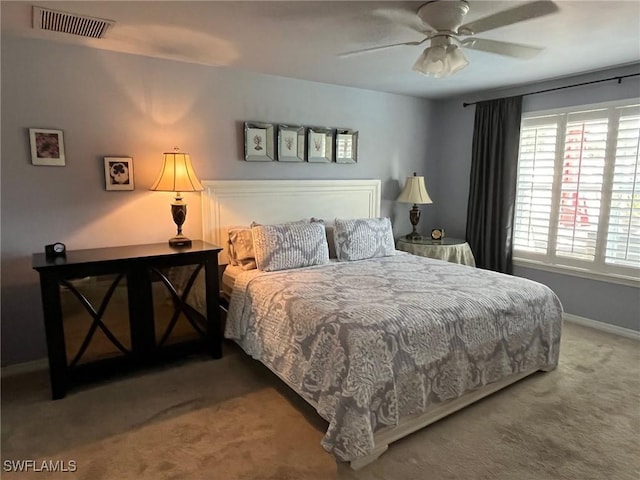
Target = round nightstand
(449,249)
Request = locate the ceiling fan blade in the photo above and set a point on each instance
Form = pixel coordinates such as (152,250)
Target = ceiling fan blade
(516,50)
(524,12)
(404,18)
(382,47)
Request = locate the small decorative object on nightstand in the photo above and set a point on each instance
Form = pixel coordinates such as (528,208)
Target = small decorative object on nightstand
(177,175)
(437,234)
(414,192)
(53,250)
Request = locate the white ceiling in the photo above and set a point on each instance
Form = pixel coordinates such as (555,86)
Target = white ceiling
(301,39)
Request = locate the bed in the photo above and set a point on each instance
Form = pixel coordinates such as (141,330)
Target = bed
(379,346)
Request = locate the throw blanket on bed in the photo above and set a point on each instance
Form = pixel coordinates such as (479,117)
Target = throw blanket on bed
(371,341)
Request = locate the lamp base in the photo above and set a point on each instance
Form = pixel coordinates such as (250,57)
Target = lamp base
(179,214)
(180,241)
(414,218)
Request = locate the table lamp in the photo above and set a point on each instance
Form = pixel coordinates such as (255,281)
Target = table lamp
(414,192)
(177,176)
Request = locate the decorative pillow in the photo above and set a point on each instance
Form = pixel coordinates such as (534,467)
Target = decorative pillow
(329,231)
(285,246)
(363,238)
(241,250)
(240,243)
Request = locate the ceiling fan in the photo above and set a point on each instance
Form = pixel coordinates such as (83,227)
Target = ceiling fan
(441,22)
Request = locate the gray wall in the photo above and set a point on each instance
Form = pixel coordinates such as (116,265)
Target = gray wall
(112,104)
(606,302)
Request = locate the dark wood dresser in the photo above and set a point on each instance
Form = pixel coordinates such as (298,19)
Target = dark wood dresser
(108,310)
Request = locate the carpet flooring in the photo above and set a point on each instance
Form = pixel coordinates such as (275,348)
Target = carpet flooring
(232,419)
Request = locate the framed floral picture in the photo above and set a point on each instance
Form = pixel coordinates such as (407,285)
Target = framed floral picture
(346,146)
(319,145)
(47,147)
(291,140)
(258,142)
(118,173)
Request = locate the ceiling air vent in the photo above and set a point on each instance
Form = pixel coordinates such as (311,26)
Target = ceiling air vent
(47,19)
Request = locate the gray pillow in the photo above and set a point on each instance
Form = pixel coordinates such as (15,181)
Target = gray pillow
(363,238)
(281,247)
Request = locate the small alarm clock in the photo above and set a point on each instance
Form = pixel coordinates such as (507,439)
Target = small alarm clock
(437,234)
(57,249)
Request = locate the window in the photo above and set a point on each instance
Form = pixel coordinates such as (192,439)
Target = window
(578,190)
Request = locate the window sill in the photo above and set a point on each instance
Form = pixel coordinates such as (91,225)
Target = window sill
(578,272)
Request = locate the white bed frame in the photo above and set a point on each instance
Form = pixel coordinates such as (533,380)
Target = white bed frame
(228,203)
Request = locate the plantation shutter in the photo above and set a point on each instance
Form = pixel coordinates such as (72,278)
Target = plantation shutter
(581,184)
(623,234)
(536,159)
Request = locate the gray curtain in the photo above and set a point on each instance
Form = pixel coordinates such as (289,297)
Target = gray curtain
(492,185)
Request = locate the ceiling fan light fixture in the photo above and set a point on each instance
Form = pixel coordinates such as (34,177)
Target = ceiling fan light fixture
(457,60)
(441,60)
(430,62)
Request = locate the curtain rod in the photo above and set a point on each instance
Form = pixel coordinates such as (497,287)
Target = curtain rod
(618,78)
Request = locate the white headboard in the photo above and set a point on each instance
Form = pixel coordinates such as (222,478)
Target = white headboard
(228,203)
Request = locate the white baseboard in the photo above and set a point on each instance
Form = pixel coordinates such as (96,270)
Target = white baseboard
(605,327)
(24,368)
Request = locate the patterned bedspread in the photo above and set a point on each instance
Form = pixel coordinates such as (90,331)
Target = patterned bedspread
(371,341)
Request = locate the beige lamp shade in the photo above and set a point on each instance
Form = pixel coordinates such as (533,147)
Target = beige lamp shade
(177,174)
(414,191)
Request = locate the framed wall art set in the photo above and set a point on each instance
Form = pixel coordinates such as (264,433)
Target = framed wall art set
(267,142)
